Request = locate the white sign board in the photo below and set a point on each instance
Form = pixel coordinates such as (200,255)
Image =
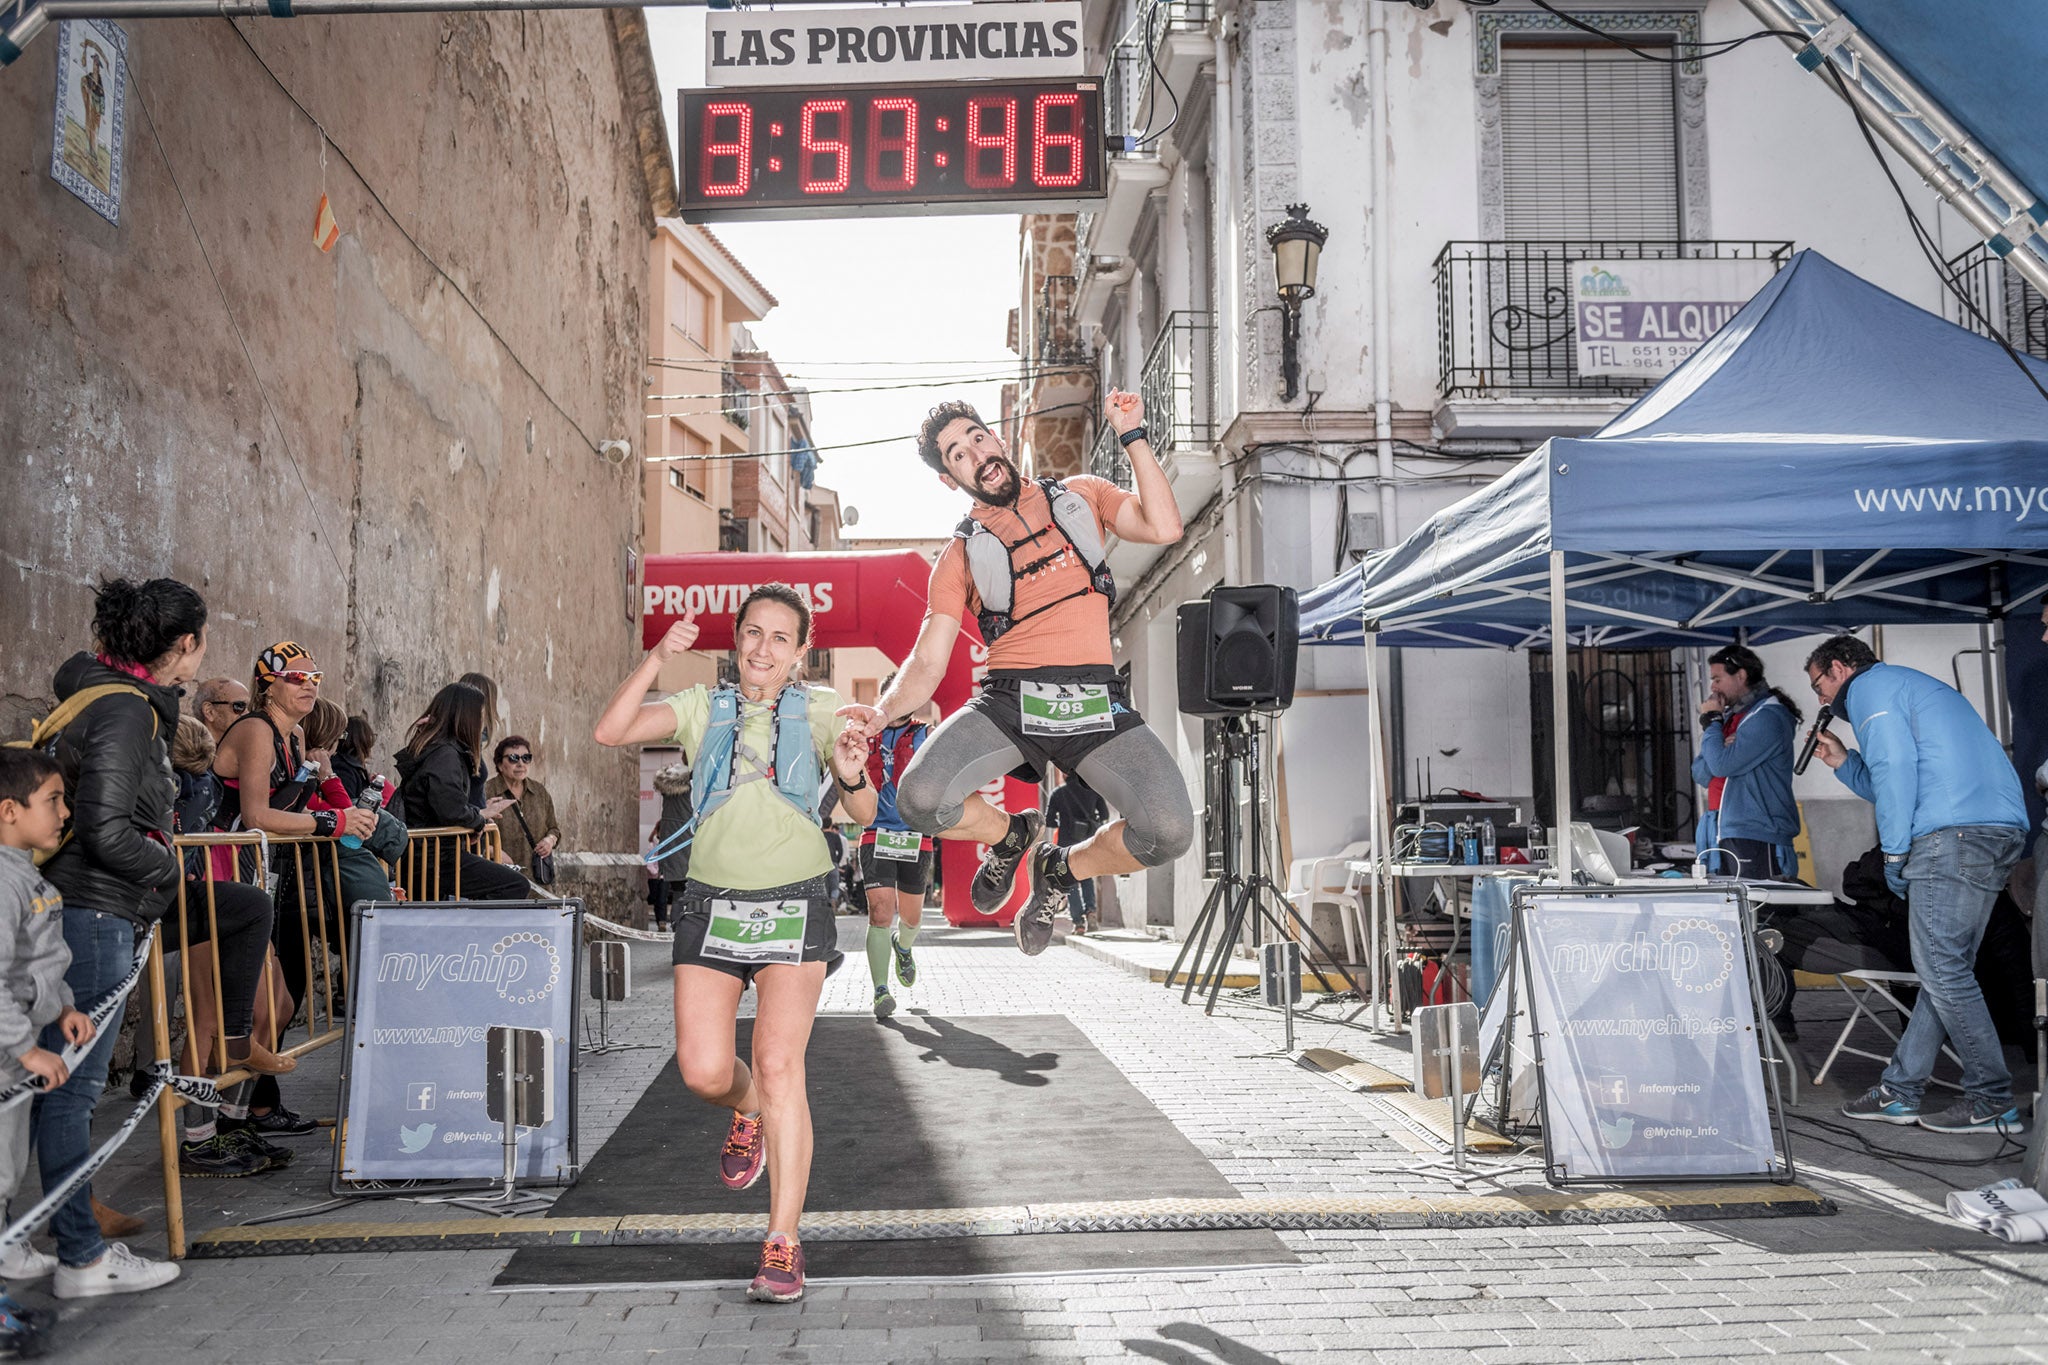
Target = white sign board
(1642,319)
(920,43)
(1646,1030)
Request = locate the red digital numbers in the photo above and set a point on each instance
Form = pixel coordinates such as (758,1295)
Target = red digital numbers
(812,149)
(739,150)
(907,148)
(882,143)
(991,135)
(1043,140)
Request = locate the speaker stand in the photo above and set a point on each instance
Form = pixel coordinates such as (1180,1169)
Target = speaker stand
(1243,897)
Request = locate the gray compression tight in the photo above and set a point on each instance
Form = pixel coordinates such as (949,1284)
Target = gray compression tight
(1133,772)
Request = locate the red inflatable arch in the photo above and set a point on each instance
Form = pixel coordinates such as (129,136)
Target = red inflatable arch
(858,597)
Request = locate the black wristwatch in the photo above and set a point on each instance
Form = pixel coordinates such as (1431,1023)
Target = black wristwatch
(844,785)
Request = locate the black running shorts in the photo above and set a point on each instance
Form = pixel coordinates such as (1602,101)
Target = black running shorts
(692,921)
(913,877)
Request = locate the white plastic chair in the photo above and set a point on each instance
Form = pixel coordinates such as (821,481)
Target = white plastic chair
(1329,881)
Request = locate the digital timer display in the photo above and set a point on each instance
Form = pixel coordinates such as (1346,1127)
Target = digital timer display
(965,147)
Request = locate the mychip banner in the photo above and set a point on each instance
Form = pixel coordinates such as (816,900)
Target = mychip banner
(1646,1035)
(431,979)
(1642,319)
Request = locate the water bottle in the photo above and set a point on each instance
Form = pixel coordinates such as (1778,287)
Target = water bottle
(1489,843)
(371,799)
(1468,843)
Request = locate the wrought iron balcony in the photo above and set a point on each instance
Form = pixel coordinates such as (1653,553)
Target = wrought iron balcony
(735,399)
(1178,386)
(2002,297)
(1055,332)
(1504,312)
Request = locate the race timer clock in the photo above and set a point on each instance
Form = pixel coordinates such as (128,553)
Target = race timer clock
(966,147)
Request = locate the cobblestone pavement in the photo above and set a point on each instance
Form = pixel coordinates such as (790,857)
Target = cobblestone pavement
(1890,1278)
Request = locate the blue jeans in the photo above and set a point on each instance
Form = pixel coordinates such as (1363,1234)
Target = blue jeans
(1953,876)
(102,950)
(1081,901)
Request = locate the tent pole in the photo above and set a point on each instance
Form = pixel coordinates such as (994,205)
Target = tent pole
(1560,724)
(1382,839)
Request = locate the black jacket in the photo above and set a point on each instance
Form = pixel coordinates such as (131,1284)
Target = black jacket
(434,786)
(354,776)
(118,782)
(1076,812)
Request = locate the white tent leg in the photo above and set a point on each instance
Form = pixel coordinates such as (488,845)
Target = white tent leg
(1379,939)
(1560,724)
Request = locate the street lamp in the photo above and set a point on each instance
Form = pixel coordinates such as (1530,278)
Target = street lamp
(1297,243)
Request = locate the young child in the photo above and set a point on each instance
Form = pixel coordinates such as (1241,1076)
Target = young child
(33,960)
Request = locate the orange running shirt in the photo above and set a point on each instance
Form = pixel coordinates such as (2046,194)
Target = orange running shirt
(1073,633)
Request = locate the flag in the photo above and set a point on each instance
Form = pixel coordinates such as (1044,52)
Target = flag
(326,232)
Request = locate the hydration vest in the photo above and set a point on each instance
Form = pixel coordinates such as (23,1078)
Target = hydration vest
(723,764)
(889,753)
(992,564)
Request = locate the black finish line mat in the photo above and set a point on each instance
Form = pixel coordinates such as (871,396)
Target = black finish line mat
(953,1147)
(918,1113)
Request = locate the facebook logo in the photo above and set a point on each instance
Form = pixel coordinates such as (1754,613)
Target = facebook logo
(419,1096)
(1612,1089)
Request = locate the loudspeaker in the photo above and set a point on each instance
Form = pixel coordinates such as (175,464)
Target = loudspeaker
(1237,650)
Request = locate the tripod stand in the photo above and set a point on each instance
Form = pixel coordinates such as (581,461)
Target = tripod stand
(1237,895)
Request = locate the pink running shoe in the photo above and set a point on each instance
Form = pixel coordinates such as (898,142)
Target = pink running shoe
(742,1161)
(781,1276)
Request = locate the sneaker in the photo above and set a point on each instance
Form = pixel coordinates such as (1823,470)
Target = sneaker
(1879,1105)
(117,1271)
(23,1333)
(745,1154)
(906,965)
(885,1003)
(241,1134)
(780,1278)
(999,870)
(23,1262)
(222,1156)
(1042,909)
(1976,1116)
(279,1122)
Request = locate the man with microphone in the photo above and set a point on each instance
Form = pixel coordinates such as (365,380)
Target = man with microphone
(1745,763)
(1951,821)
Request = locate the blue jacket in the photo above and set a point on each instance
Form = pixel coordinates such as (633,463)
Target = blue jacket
(1757,801)
(1923,757)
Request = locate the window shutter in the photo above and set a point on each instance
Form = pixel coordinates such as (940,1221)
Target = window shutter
(1589,144)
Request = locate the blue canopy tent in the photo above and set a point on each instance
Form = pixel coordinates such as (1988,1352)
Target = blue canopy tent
(1833,457)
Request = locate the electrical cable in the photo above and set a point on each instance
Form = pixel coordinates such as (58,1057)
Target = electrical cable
(2007,1147)
(1924,239)
(844,445)
(1697,53)
(248,357)
(414,242)
(1159,78)
(1011,376)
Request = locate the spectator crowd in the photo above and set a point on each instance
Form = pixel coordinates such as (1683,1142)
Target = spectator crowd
(90,808)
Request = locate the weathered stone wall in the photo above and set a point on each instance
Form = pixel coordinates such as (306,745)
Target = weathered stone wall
(394,465)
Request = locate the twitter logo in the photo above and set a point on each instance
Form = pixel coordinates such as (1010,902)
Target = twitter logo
(416,1139)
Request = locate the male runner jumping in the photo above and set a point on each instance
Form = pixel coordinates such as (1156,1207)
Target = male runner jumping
(1028,561)
(895,864)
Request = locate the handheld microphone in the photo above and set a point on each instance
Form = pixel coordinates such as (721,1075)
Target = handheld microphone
(1821,720)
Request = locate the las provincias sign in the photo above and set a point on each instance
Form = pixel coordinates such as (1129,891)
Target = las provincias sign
(875,46)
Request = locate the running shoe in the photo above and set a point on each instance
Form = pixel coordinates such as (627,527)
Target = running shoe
(1043,908)
(239,1131)
(1879,1105)
(1976,1116)
(744,1157)
(282,1122)
(906,965)
(23,1262)
(23,1333)
(999,870)
(117,1271)
(223,1156)
(885,1003)
(780,1278)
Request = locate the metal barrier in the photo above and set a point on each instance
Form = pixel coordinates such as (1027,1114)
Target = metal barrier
(315,866)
